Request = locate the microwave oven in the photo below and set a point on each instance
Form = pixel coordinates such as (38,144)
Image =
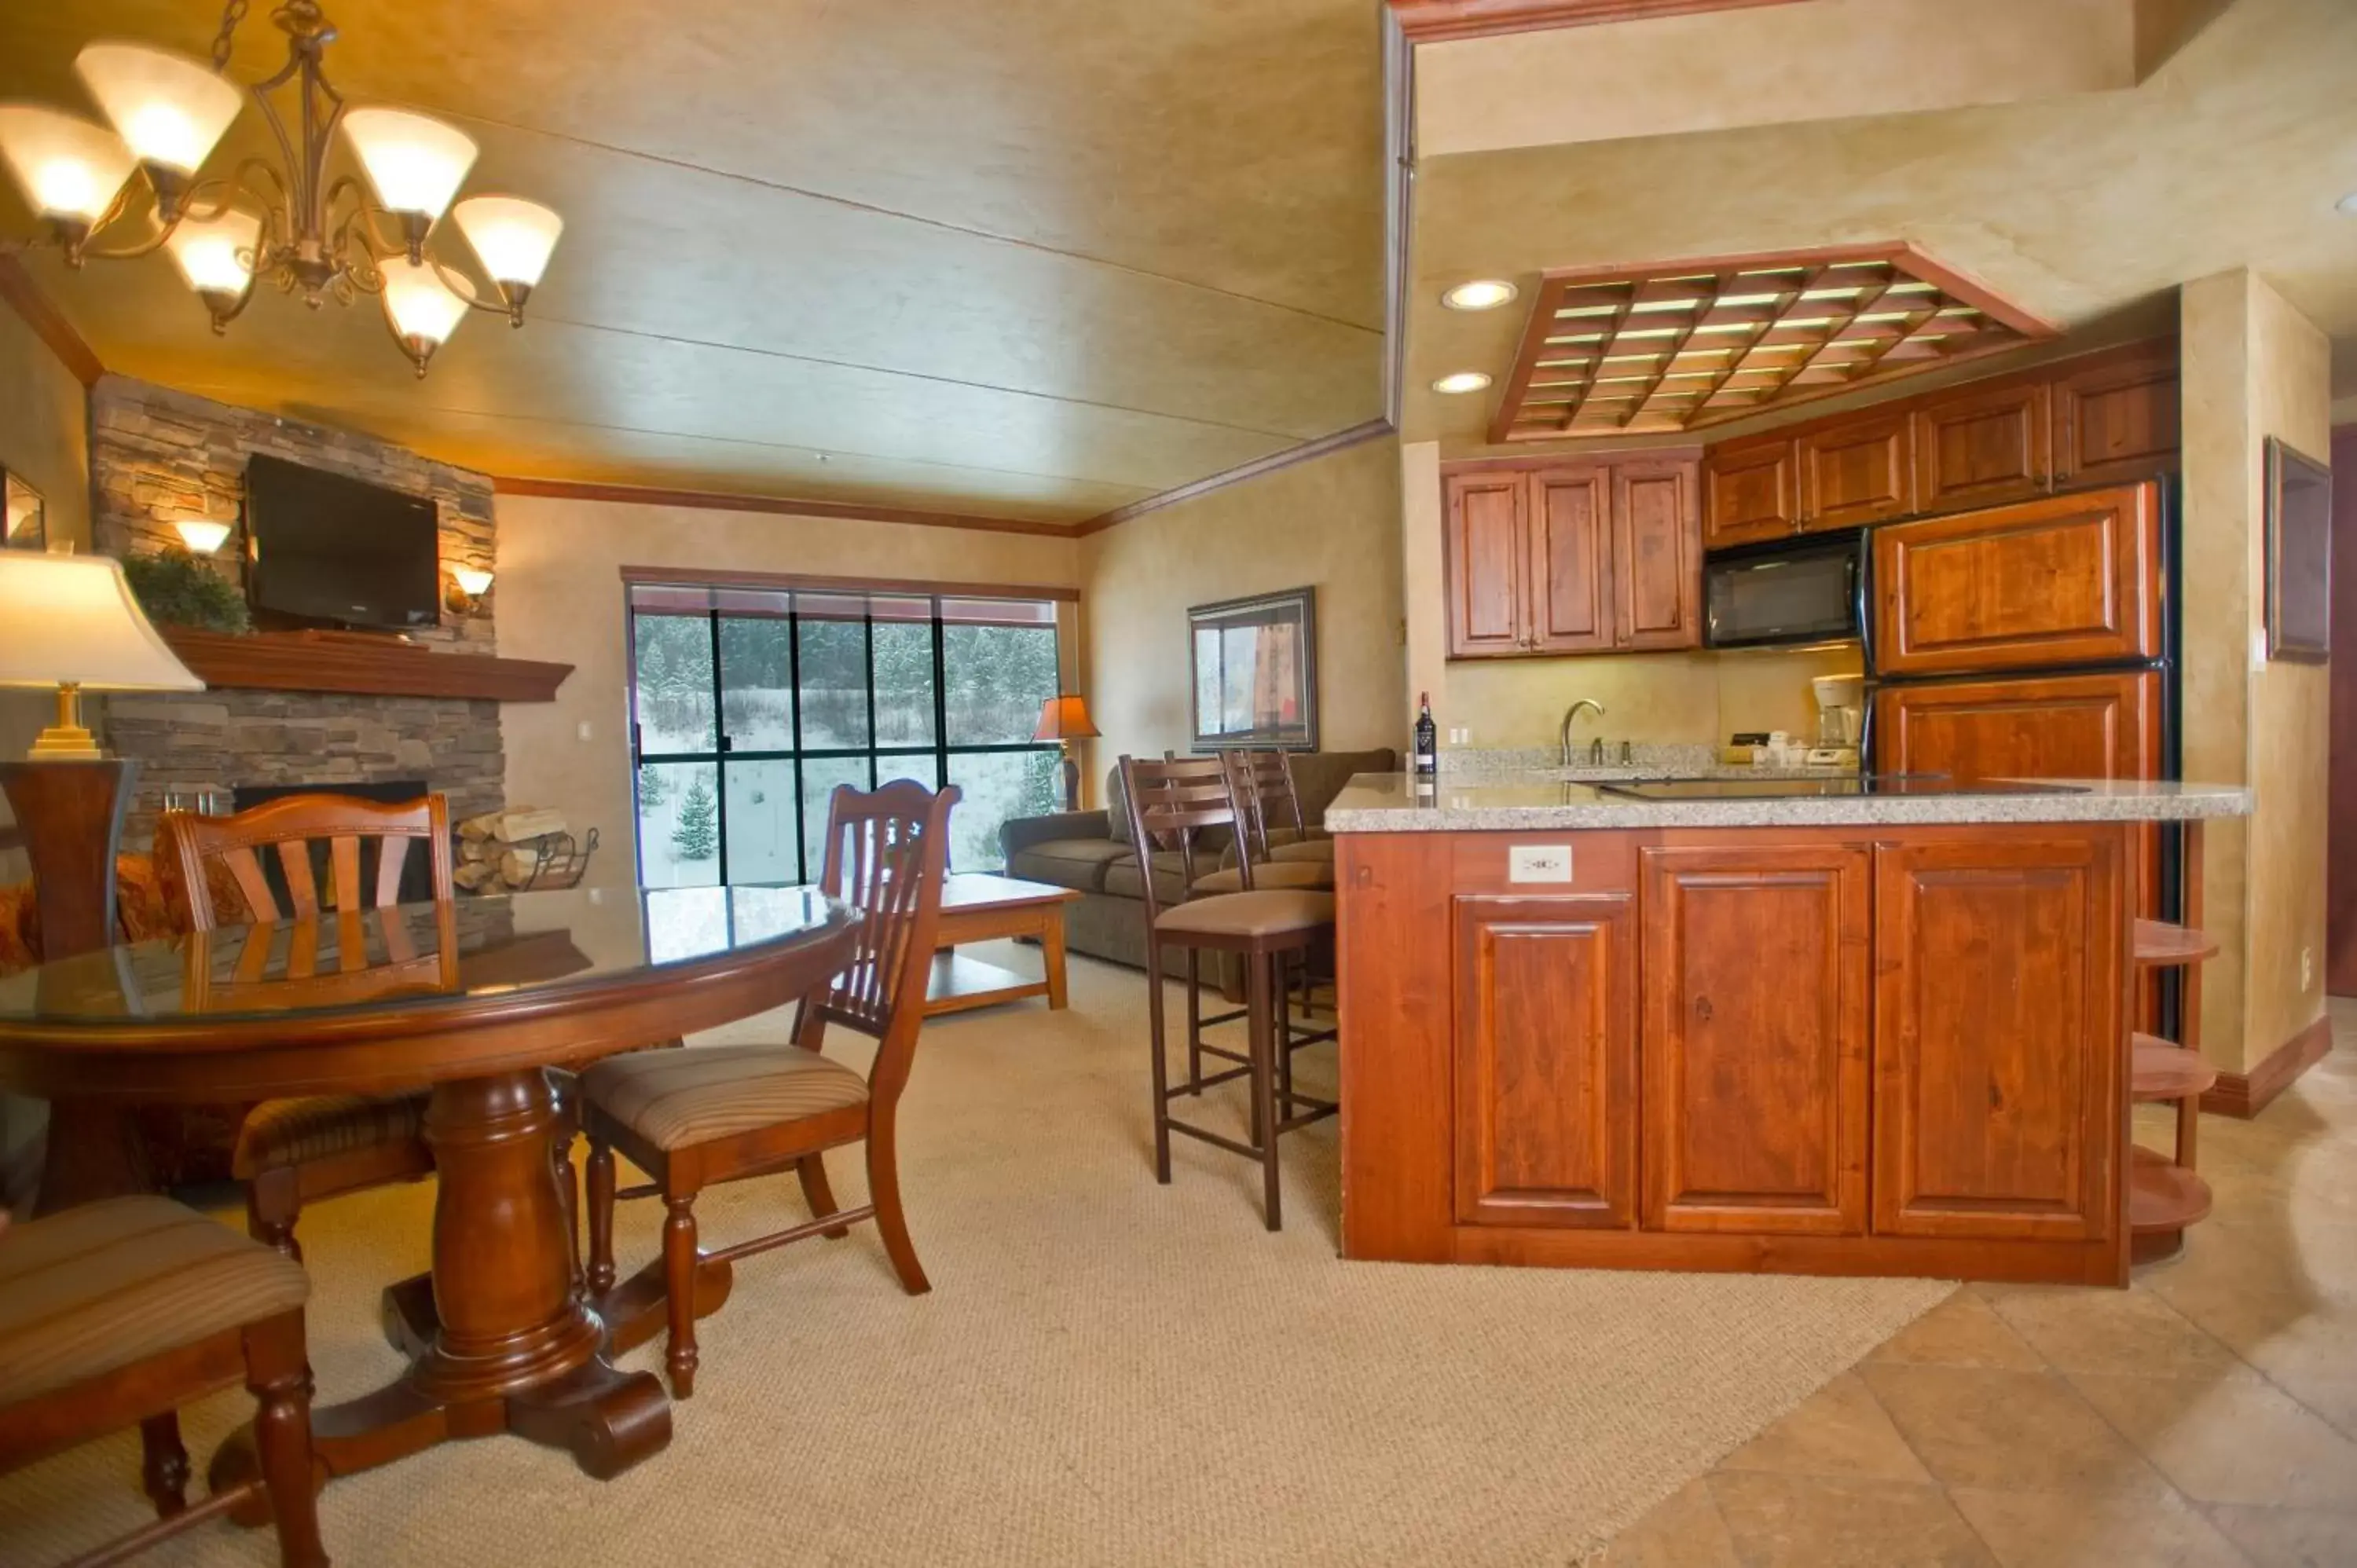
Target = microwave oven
(1785,593)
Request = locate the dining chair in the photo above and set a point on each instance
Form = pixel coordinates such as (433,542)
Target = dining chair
(1173,802)
(293,1153)
(122,1311)
(706,1114)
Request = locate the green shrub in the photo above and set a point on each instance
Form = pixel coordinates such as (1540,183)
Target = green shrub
(176,588)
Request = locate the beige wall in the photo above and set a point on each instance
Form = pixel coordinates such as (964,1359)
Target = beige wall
(559,595)
(1660,698)
(1331,522)
(2254,368)
(45,438)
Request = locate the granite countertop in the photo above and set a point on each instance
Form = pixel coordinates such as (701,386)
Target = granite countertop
(1389,803)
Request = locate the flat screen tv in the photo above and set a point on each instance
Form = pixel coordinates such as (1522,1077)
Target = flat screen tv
(332,550)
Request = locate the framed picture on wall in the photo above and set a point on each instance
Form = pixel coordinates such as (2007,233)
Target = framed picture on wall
(1255,671)
(24,523)
(2300,555)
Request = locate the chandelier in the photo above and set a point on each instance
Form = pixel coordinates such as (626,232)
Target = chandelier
(127,192)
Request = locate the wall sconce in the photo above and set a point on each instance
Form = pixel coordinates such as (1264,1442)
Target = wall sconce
(202,535)
(468,586)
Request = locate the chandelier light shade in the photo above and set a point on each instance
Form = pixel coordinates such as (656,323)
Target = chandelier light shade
(310,229)
(168,108)
(68,168)
(413,162)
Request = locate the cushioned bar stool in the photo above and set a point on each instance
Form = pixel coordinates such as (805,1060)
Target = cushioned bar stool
(120,1312)
(697,1117)
(1171,804)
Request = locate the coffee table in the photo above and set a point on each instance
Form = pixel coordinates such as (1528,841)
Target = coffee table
(976,907)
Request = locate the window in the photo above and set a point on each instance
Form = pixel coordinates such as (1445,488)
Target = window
(749,706)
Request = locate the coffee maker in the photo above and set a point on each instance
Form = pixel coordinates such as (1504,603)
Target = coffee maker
(1838,708)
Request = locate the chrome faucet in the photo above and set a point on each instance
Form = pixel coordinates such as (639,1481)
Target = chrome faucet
(1562,736)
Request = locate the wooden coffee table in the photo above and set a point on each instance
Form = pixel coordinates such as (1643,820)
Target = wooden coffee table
(976,907)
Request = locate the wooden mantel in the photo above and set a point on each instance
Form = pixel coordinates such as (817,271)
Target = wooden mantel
(363,664)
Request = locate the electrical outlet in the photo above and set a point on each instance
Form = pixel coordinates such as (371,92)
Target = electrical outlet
(1539,862)
(2307,968)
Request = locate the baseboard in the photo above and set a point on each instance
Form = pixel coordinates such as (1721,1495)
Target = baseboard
(2244,1094)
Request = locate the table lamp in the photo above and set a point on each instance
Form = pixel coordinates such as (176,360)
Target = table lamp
(73,624)
(70,622)
(1065,718)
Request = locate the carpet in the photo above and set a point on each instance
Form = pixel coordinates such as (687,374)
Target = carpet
(1107,1371)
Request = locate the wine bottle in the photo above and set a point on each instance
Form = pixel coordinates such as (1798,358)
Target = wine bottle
(1427,737)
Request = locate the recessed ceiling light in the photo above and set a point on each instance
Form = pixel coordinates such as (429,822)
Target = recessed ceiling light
(1481,294)
(1462,381)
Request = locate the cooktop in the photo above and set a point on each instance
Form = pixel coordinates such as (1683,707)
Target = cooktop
(1804,787)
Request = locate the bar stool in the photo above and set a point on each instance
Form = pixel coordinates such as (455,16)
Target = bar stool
(1171,803)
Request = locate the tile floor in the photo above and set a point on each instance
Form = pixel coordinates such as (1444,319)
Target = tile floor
(2205,1416)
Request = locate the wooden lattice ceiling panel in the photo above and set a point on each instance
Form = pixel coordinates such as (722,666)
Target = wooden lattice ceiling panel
(1682,345)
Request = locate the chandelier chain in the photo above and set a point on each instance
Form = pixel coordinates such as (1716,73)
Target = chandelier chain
(232,15)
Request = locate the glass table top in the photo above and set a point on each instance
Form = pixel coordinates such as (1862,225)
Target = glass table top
(414,954)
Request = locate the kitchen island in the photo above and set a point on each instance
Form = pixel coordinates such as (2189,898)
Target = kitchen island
(1820,1032)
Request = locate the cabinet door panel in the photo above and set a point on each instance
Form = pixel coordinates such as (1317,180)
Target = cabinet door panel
(1748,492)
(1484,558)
(1570,560)
(2070,580)
(2117,423)
(1657,555)
(1547,1060)
(2055,727)
(1858,471)
(1999,1036)
(1755,1021)
(1983,448)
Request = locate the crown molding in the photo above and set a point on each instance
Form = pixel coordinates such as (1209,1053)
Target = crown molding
(1324,446)
(48,324)
(1434,21)
(785,506)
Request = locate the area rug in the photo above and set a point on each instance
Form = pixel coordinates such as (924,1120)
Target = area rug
(1107,1370)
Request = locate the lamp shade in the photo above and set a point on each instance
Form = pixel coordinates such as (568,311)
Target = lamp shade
(1065,717)
(513,236)
(169,109)
(420,304)
(72,620)
(66,167)
(216,254)
(415,163)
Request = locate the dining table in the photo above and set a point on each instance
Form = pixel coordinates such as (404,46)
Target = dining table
(474,1001)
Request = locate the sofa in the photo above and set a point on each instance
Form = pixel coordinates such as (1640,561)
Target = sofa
(1091,852)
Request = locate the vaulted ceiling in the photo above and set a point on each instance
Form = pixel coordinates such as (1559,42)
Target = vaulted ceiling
(1033,259)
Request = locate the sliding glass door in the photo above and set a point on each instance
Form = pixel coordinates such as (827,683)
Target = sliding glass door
(749,706)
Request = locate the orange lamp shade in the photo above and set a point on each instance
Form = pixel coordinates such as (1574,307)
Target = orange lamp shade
(1065,718)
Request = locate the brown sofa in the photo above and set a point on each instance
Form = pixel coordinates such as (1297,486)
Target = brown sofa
(1091,852)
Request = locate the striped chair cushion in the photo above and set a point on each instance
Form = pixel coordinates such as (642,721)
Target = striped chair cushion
(674,1098)
(91,1290)
(295,1131)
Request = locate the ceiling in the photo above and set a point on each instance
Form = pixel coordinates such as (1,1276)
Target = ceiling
(2086,208)
(1035,259)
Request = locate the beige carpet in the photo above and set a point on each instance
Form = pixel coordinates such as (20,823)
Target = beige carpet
(1107,1371)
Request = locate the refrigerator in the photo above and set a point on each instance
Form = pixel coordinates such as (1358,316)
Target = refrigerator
(2036,639)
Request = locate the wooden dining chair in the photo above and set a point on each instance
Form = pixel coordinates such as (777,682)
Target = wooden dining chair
(1271,807)
(1172,804)
(122,1311)
(292,1152)
(707,1114)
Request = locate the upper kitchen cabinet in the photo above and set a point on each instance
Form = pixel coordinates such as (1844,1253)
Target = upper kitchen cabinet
(1748,492)
(2067,580)
(2116,421)
(1983,446)
(1582,557)
(1856,471)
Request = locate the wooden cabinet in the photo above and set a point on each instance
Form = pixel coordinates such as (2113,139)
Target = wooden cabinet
(2056,727)
(1572,558)
(2068,580)
(1983,446)
(1656,556)
(1857,471)
(2117,421)
(1754,1037)
(1547,1060)
(1998,1036)
(1748,492)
